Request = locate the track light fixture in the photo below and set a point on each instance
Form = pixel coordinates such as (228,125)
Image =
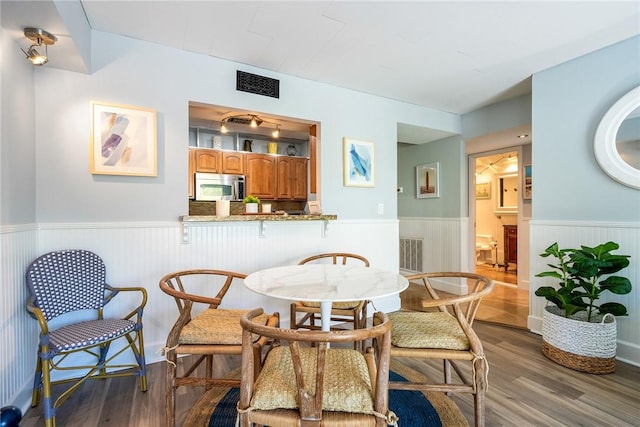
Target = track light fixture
(251,120)
(39,37)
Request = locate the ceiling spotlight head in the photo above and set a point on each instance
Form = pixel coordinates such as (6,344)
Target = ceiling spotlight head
(39,37)
(276,132)
(254,122)
(223,127)
(35,57)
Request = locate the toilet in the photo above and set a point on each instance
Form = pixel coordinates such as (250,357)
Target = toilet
(484,247)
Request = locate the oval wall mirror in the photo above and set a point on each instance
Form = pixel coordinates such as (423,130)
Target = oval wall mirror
(617,140)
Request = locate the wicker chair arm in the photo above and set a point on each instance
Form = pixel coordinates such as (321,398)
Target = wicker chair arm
(213,302)
(113,291)
(456,300)
(37,314)
(452,300)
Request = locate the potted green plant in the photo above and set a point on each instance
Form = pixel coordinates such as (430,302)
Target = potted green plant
(576,331)
(251,203)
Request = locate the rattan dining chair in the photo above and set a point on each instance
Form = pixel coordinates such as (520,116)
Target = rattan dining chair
(68,287)
(204,329)
(305,383)
(353,312)
(444,331)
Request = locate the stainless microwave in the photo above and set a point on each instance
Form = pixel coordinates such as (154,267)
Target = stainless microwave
(211,187)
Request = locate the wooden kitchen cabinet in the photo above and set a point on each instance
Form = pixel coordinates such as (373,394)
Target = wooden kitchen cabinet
(292,178)
(233,162)
(261,175)
(216,161)
(510,245)
(192,173)
(208,161)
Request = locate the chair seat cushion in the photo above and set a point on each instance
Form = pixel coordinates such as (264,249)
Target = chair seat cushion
(217,326)
(439,330)
(347,384)
(88,333)
(345,305)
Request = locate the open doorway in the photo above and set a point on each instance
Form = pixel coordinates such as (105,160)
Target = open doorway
(495,206)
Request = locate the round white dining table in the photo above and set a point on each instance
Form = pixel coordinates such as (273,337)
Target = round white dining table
(325,283)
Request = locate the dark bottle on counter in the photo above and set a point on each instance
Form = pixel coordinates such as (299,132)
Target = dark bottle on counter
(247,144)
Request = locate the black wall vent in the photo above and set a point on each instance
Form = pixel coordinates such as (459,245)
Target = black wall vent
(260,85)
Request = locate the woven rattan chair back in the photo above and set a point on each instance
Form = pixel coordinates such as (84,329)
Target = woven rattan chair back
(67,281)
(203,329)
(304,382)
(354,312)
(443,330)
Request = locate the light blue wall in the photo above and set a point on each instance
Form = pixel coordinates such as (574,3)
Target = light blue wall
(450,153)
(568,102)
(132,72)
(18,135)
(497,117)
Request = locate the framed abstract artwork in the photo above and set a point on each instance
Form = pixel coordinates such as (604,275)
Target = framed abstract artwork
(123,140)
(428,180)
(358,163)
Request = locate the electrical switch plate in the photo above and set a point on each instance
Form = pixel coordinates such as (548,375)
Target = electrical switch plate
(380,208)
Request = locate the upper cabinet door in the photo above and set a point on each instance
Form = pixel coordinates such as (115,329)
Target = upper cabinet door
(233,162)
(209,161)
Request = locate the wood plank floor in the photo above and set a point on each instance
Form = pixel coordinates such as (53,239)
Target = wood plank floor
(525,389)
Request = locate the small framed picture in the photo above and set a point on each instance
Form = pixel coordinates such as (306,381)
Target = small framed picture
(428,180)
(358,163)
(526,182)
(123,140)
(483,190)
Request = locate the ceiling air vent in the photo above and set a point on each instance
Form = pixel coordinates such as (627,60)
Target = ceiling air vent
(260,85)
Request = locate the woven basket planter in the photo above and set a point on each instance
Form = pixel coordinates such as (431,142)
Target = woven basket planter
(577,344)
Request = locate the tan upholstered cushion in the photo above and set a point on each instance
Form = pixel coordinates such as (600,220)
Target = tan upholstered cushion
(347,385)
(216,326)
(427,330)
(339,305)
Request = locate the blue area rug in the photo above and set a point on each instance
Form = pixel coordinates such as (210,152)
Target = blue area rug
(411,407)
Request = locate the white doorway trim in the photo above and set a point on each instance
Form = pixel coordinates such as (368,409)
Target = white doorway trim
(522,257)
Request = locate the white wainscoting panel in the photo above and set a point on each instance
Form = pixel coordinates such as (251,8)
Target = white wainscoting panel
(572,235)
(445,244)
(141,253)
(18,331)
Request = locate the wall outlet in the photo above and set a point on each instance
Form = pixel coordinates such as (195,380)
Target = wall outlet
(380,208)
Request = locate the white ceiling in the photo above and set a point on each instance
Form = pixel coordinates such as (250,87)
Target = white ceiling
(449,55)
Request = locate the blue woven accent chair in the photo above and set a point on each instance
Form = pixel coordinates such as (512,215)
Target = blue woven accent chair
(61,284)
(354,312)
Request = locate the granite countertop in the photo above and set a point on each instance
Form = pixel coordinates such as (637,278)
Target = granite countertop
(257,217)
